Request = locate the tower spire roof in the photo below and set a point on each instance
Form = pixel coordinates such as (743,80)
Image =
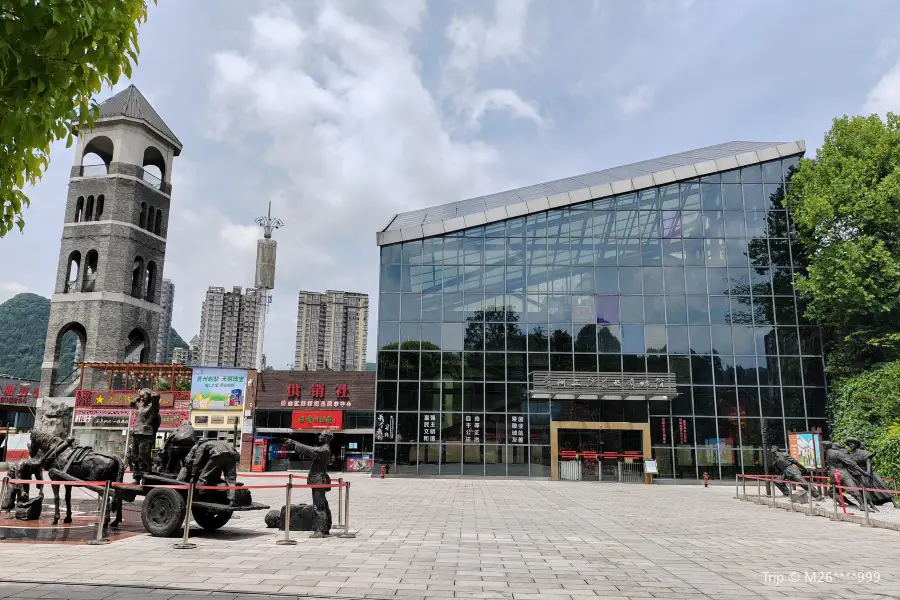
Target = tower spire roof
(131,104)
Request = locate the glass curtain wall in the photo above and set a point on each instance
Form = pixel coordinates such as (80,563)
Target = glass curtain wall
(693,278)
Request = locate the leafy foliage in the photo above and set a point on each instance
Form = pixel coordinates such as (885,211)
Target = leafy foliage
(867,406)
(54,56)
(846,207)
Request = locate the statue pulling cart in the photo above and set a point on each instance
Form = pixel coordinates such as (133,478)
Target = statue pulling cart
(185,459)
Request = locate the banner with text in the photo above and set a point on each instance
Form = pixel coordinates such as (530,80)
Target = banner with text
(218,389)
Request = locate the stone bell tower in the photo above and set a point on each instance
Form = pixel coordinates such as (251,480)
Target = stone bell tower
(114,241)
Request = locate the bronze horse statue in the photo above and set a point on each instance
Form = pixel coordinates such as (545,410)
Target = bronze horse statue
(61,456)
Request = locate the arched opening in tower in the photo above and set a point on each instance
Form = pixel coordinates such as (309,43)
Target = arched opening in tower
(154,165)
(69,349)
(136,350)
(97,156)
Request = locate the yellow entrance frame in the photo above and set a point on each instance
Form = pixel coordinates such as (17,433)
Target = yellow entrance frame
(555,426)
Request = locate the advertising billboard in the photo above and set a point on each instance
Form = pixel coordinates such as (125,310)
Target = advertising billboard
(218,389)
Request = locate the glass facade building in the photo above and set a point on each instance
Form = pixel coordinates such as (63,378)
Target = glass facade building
(688,269)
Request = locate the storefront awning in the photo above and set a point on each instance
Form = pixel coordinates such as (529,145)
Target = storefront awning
(553,385)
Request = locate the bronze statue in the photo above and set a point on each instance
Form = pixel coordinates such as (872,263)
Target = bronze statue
(176,448)
(70,461)
(16,495)
(143,434)
(791,470)
(839,462)
(867,477)
(318,475)
(210,460)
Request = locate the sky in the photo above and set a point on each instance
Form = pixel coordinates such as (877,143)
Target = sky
(343,113)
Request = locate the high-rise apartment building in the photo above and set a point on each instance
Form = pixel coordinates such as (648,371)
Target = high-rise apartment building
(167,302)
(229,327)
(331,331)
(180,356)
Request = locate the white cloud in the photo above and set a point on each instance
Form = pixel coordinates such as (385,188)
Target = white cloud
(8,289)
(355,136)
(885,96)
(636,101)
(477,43)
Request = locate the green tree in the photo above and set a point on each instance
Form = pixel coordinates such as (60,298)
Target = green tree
(845,204)
(54,56)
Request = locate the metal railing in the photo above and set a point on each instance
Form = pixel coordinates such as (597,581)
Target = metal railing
(95,170)
(152,179)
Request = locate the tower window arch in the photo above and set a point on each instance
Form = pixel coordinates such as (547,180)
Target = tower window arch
(98,154)
(79,208)
(150,285)
(154,165)
(90,271)
(158,226)
(151,214)
(142,222)
(98,208)
(89,209)
(137,277)
(73,267)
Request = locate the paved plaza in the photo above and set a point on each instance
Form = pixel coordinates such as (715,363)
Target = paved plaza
(519,539)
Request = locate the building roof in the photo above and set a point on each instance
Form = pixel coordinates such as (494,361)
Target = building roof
(437,220)
(130,103)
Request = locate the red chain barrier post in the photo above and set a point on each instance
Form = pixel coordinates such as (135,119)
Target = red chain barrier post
(737,494)
(347,533)
(791,494)
(840,493)
(772,490)
(185,544)
(340,503)
(866,507)
(744,485)
(758,491)
(287,541)
(99,541)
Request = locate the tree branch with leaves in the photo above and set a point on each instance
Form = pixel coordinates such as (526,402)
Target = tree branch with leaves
(55,55)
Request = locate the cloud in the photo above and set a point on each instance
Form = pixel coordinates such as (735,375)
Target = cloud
(8,289)
(636,101)
(885,96)
(352,136)
(476,43)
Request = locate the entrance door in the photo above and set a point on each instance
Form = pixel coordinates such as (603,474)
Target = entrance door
(599,451)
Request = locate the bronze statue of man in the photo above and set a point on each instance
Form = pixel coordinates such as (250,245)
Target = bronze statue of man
(143,434)
(868,477)
(318,475)
(791,470)
(210,460)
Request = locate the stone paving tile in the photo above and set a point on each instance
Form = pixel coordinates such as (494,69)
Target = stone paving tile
(435,539)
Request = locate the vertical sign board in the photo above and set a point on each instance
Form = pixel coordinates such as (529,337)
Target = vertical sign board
(518,429)
(806,448)
(385,427)
(429,428)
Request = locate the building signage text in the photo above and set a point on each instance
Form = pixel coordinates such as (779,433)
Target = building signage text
(19,395)
(643,384)
(317,396)
(331,419)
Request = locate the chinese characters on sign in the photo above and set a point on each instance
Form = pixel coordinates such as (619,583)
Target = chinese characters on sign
(473,428)
(384,427)
(21,395)
(317,393)
(429,428)
(632,384)
(332,419)
(517,429)
(218,389)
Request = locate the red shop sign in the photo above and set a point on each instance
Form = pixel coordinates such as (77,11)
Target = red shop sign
(318,419)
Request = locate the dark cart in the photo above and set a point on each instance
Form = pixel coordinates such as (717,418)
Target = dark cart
(164,509)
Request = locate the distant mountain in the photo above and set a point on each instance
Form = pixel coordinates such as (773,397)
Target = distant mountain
(175,341)
(23,330)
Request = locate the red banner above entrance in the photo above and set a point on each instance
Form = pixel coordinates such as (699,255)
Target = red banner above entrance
(319,419)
